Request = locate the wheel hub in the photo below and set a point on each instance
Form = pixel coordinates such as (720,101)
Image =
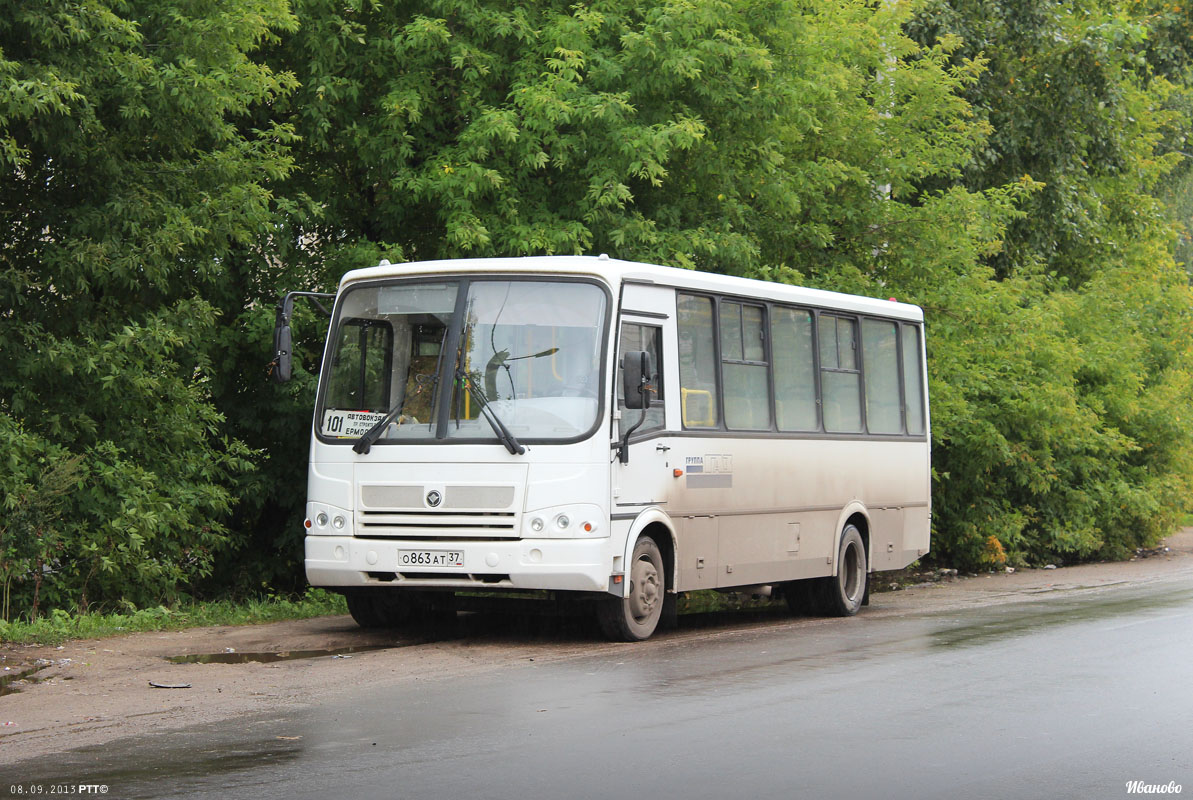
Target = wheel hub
(644,588)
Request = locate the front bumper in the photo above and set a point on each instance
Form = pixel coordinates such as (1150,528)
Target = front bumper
(554,564)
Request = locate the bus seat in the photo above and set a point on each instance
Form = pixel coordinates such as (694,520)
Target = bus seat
(701,412)
(420,381)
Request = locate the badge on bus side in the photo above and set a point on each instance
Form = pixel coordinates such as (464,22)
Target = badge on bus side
(709,471)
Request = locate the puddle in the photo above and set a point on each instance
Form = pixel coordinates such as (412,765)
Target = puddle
(7,680)
(272,656)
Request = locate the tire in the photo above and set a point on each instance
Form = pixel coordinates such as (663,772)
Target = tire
(436,609)
(802,596)
(842,595)
(378,609)
(635,617)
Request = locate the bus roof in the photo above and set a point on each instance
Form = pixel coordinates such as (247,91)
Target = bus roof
(615,271)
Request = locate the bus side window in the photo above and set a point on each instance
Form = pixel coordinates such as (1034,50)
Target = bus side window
(840,380)
(880,356)
(697,362)
(795,369)
(650,339)
(913,376)
(744,367)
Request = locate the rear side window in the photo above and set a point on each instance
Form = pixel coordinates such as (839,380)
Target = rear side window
(880,357)
(913,377)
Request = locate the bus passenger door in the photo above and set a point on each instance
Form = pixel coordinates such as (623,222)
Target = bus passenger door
(647,323)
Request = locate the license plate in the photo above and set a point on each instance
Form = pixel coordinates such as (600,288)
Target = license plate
(431,558)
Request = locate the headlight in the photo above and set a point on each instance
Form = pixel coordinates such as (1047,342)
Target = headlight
(327,520)
(563,522)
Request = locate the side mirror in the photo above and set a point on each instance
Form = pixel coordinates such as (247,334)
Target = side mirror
(636,373)
(281,353)
(280,367)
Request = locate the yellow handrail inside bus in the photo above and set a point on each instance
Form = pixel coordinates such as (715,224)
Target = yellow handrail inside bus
(707,421)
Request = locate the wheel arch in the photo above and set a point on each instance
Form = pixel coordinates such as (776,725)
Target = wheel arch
(656,523)
(853,514)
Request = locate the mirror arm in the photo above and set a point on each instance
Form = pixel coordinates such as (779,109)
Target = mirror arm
(623,450)
(643,390)
(279,368)
(286,304)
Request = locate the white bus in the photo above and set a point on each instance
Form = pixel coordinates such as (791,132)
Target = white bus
(585,427)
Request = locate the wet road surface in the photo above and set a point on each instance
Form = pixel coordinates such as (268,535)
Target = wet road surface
(1070,697)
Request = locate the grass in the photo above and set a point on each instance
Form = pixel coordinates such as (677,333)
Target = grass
(707,600)
(60,625)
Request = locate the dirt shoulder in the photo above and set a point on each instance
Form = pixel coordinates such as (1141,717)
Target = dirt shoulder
(90,692)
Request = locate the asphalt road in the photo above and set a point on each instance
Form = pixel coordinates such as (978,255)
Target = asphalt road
(1071,697)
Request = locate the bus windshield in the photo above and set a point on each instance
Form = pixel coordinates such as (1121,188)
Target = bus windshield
(436,357)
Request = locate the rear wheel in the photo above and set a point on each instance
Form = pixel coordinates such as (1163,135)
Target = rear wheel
(842,595)
(635,617)
(801,596)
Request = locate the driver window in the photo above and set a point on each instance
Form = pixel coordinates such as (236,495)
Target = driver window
(363,365)
(650,339)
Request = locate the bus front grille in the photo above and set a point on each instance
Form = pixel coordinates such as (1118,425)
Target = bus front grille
(451,509)
(446,524)
(454,497)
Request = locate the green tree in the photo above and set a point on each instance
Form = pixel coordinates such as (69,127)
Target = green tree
(126,183)
(680,132)
(1060,407)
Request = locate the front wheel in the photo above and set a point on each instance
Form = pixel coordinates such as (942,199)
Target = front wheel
(635,617)
(378,609)
(397,608)
(842,595)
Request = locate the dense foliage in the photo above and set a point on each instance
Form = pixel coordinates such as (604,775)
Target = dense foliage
(1062,424)
(168,168)
(125,187)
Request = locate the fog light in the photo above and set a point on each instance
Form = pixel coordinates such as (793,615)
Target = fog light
(338,523)
(562,522)
(536,524)
(322,519)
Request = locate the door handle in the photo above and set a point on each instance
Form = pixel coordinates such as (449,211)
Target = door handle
(661,448)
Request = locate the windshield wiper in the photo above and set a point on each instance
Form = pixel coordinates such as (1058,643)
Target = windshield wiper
(365,442)
(503,433)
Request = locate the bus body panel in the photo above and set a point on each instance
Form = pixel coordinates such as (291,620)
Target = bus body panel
(771,510)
